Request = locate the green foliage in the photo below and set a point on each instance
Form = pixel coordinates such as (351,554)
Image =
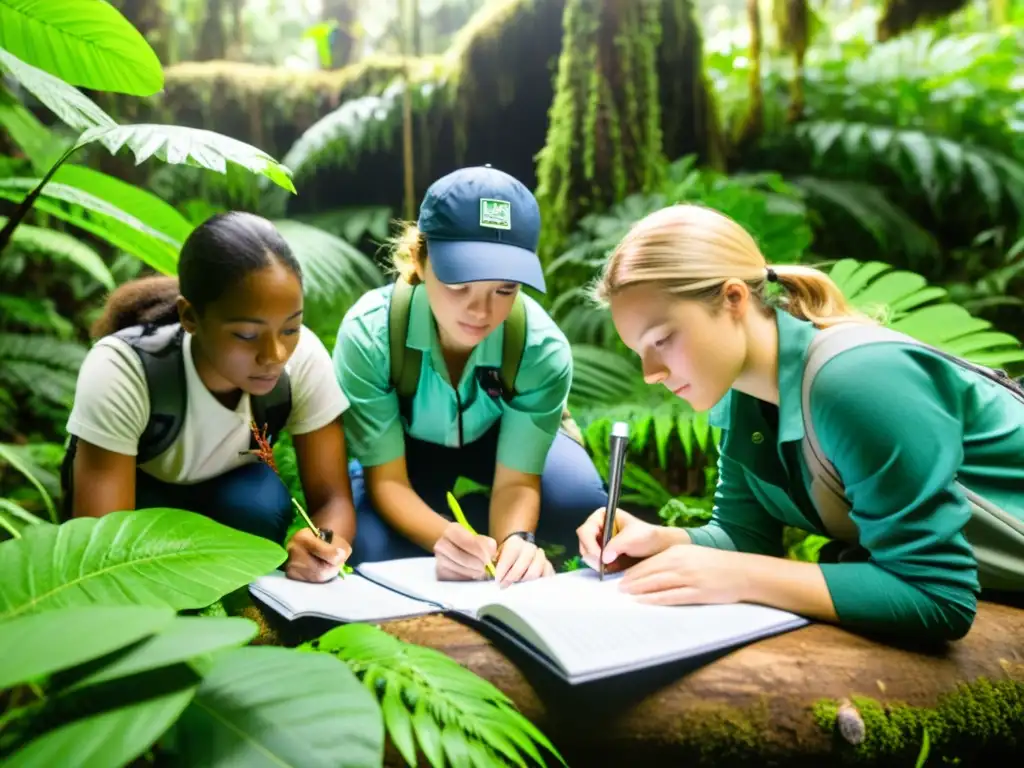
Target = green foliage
(686,512)
(135,670)
(37,366)
(276,706)
(15,515)
(983,714)
(432,705)
(137,677)
(150,557)
(61,246)
(95,215)
(83,43)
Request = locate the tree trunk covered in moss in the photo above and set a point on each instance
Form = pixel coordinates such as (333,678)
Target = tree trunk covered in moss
(774,702)
(604,129)
(900,16)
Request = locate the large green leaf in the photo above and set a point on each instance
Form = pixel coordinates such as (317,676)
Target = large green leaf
(114,724)
(151,556)
(185,638)
(94,214)
(179,145)
(65,101)
(60,245)
(910,305)
(82,42)
(265,706)
(36,645)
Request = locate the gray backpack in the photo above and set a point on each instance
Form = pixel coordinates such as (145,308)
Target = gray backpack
(996,536)
(160,350)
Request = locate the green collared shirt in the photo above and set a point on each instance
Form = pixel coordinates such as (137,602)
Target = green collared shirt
(901,425)
(376,431)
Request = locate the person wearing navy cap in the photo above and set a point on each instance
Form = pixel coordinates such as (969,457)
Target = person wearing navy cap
(452,371)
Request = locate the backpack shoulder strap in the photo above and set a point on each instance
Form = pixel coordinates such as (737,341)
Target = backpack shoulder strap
(272,409)
(827,491)
(405,362)
(159,350)
(513,346)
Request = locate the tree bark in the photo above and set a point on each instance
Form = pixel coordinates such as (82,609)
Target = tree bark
(774,702)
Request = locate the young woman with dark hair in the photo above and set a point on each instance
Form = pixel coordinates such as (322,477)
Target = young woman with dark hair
(167,398)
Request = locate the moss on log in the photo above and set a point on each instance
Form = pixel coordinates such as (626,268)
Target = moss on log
(775,702)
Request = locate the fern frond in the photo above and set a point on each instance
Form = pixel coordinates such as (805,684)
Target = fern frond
(34,315)
(42,365)
(908,304)
(432,704)
(937,167)
(61,246)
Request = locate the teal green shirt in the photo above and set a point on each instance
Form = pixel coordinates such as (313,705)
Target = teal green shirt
(376,431)
(900,424)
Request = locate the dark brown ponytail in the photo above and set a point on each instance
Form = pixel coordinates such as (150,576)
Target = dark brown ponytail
(146,300)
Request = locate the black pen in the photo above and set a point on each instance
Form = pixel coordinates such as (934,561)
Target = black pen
(618,442)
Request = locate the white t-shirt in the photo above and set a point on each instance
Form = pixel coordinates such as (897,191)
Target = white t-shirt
(111,409)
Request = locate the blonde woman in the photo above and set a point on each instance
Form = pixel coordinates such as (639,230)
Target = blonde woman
(913,461)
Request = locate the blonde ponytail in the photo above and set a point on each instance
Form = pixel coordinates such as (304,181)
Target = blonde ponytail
(408,251)
(810,294)
(690,251)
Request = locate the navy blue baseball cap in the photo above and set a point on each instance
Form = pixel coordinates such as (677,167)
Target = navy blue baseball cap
(482,224)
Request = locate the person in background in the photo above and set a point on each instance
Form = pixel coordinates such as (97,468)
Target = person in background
(167,398)
(456,322)
(912,460)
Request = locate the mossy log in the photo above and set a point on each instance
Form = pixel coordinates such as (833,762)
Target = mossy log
(774,702)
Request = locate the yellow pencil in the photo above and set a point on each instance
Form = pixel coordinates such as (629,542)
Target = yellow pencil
(453,505)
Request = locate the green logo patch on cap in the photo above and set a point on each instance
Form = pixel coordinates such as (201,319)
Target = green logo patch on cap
(495,214)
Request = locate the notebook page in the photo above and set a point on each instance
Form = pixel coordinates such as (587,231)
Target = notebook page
(350,599)
(416,576)
(589,626)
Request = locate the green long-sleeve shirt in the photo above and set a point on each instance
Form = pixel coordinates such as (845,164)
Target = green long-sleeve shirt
(901,425)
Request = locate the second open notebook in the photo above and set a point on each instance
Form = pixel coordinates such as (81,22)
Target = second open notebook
(579,626)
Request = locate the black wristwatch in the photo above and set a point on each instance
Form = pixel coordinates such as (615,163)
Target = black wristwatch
(522,534)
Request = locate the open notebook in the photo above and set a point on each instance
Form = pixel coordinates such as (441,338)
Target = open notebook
(580,627)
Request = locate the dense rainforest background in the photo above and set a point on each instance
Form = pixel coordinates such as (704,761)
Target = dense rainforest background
(882,140)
